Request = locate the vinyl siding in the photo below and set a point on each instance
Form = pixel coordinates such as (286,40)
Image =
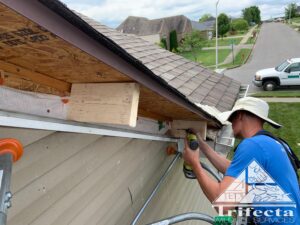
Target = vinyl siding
(77,179)
(178,195)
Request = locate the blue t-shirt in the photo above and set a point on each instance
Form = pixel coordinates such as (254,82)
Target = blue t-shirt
(272,157)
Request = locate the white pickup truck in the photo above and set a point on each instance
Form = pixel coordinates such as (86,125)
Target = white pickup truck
(285,74)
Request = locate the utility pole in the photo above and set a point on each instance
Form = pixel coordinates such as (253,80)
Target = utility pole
(217,34)
(290,13)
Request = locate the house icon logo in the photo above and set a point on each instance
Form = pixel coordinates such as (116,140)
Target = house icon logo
(253,188)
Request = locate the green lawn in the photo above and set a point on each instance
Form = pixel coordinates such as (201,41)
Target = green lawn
(295,20)
(239,59)
(287,115)
(238,33)
(222,42)
(207,57)
(250,40)
(280,94)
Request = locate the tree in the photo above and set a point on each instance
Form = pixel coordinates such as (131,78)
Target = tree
(204,17)
(223,24)
(163,43)
(240,25)
(173,41)
(291,11)
(192,42)
(252,15)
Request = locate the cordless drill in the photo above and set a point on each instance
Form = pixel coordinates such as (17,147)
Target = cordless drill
(193,144)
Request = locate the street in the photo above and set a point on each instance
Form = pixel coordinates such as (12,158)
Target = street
(276,42)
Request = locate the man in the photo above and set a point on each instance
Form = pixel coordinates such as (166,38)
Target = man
(247,118)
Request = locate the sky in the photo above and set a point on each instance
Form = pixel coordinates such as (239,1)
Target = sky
(113,12)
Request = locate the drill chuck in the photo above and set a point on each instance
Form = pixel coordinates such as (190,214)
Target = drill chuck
(192,140)
(194,145)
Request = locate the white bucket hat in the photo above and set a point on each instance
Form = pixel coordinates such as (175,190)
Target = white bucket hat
(256,106)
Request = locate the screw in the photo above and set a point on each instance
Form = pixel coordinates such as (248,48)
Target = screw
(7,204)
(8,196)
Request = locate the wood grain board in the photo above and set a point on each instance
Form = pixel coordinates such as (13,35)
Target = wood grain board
(115,103)
(26,44)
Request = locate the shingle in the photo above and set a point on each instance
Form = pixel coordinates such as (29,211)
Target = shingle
(198,79)
(221,87)
(214,78)
(167,76)
(226,83)
(222,109)
(229,95)
(232,90)
(225,105)
(139,54)
(175,57)
(178,70)
(196,98)
(227,99)
(190,84)
(203,91)
(176,83)
(184,90)
(157,72)
(176,73)
(188,66)
(208,82)
(183,78)
(151,66)
(166,67)
(206,102)
(178,62)
(194,72)
(211,99)
(215,93)
(146,60)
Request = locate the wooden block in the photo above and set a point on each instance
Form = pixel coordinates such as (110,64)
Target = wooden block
(178,128)
(113,103)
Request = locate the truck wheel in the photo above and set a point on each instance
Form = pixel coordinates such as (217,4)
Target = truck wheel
(269,85)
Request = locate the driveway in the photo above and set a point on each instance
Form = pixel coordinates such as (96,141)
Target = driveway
(276,42)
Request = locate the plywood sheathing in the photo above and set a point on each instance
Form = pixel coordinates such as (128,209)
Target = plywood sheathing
(153,102)
(26,44)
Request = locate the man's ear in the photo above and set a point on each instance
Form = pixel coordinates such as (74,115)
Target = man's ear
(240,115)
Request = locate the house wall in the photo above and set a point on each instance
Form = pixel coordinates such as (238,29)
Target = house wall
(77,179)
(178,195)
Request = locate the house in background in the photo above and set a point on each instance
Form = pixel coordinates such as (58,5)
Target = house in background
(84,173)
(207,27)
(157,29)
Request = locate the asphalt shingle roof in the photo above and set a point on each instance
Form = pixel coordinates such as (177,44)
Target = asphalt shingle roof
(204,26)
(197,83)
(143,26)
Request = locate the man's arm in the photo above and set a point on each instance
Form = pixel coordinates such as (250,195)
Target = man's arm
(219,162)
(211,188)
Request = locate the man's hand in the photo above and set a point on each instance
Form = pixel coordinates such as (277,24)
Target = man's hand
(190,157)
(197,133)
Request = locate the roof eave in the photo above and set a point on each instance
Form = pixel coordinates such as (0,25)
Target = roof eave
(57,18)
